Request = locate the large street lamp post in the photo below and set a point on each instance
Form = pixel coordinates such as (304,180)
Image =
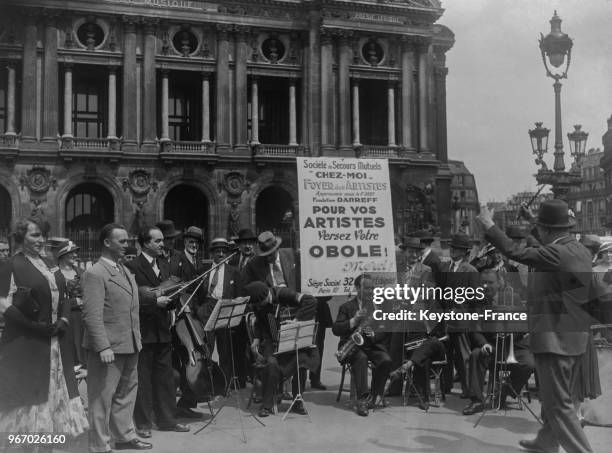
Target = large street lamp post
(556,50)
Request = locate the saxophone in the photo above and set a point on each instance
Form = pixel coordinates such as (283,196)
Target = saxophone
(356,340)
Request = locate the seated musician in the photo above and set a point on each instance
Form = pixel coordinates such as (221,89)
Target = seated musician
(352,316)
(482,356)
(264,300)
(415,275)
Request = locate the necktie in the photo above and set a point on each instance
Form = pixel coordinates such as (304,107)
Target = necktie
(213,281)
(279,280)
(155,267)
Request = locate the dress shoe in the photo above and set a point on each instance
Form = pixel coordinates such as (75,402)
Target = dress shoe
(362,408)
(185,412)
(473,408)
(264,412)
(424,406)
(531,445)
(298,408)
(144,433)
(317,386)
(134,444)
(178,428)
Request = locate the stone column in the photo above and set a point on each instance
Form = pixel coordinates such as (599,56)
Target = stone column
(205,108)
(240,92)
(50,81)
(112,103)
(408,98)
(28,87)
(356,135)
(10,107)
(292,114)
(423,98)
(222,129)
(165,135)
(67,101)
(254,112)
(312,85)
(344,95)
(327,77)
(149,85)
(440,79)
(391,113)
(130,124)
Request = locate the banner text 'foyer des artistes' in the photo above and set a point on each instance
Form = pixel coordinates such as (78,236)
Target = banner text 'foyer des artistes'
(346,222)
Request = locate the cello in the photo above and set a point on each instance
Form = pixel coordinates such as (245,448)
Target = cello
(203,374)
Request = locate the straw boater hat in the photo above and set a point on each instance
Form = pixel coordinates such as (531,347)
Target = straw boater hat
(218,243)
(194,232)
(65,248)
(461,241)
(412,243)
(554,214)
(167,229)
(268,243)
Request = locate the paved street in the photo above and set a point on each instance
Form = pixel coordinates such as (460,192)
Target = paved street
(335,428)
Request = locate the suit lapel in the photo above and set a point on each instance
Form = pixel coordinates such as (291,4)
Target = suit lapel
(117,278)
(148,271)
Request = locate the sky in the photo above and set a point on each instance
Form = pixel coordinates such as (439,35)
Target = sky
(497,86)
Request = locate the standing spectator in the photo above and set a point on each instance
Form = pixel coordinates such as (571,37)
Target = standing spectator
(112,339)
(170,234)
(246,242)
(5,250)
(558,325)
(38,391)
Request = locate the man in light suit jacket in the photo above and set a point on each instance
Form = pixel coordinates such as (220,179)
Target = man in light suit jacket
(112,339)
(558,290)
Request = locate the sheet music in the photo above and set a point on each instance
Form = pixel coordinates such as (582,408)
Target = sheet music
(226,311)
(301,333)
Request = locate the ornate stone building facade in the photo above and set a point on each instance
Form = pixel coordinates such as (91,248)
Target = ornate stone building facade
(138,110)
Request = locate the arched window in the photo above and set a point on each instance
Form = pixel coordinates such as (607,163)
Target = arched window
(186,206)
(6,210)
(88,207)
(274,212)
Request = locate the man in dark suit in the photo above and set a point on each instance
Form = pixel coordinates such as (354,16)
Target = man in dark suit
(429,257)
(112,339)
(224,283)
(558,325)
(185,266)
(352,316)
(459,273)
(156,393)
(273,265)
(246,242)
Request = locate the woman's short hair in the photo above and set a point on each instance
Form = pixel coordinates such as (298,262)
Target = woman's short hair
(21,227)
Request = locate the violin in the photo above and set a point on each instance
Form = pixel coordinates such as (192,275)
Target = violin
(204,375)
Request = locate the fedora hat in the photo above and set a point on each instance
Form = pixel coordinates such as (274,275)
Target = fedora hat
(66,247)
(194,232)
(412,243)
(554,214)
(424,236)
(516,232)
(268,243)
(167,229)
(245,235)
(218,243)
(461,241)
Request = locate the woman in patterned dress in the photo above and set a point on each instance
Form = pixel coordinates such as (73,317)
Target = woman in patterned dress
(38,392)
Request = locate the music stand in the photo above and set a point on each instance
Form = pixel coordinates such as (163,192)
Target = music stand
(294,336)
(227,314)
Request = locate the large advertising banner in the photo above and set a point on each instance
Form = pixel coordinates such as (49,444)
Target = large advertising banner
(346,222)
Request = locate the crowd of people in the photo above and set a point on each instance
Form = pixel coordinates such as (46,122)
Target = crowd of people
(120,325)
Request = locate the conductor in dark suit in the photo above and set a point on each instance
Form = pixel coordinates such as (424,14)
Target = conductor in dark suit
(558,325)
(224,283)
(112,339)
(156,392)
